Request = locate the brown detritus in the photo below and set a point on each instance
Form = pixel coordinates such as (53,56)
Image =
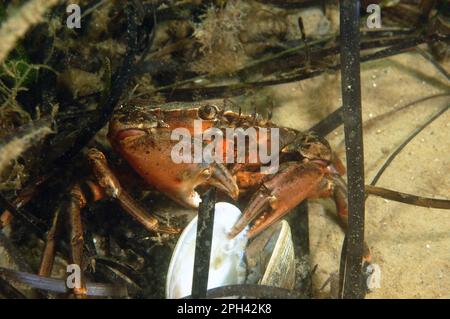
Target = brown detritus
(12,173)
(13,176)
(220,49)
(101,19)
(229,36)
(81,83)
(142,94)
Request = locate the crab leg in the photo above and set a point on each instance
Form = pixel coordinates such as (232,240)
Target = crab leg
(111,186)
(340,199)
(48,256)
(147,220)
(76,203)
(5,218)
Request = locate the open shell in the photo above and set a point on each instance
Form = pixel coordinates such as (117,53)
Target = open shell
(271,258)
(267,260)
(227,264)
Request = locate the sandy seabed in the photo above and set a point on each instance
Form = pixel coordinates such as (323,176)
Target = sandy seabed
(410,244)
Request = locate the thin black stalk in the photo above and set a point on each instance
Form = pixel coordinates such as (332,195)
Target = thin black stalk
(205,223)
(351,97)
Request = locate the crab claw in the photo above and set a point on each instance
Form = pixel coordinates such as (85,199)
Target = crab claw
(183,190)
(221,178)
(150,154)
(194,175)
(279,194)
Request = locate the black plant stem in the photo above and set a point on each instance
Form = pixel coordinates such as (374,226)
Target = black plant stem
(351,97)
(203,244)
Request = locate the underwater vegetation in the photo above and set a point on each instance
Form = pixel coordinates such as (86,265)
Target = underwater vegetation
(90,92)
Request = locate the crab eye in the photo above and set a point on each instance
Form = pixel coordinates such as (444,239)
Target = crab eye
(208,112)
(206,173)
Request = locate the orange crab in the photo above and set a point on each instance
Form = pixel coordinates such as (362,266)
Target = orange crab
(142,136)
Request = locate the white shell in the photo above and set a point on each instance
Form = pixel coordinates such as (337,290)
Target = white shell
(227,265)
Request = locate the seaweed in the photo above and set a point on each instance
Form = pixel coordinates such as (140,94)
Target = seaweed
(20,21)
(59,87)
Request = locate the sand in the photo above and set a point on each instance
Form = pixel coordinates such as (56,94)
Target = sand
(410,244)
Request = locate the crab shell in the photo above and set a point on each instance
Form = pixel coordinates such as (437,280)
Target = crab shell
(142,136)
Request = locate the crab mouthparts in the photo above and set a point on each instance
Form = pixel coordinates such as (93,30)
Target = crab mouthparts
(123,134)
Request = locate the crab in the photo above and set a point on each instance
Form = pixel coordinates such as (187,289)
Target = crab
(141,135)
